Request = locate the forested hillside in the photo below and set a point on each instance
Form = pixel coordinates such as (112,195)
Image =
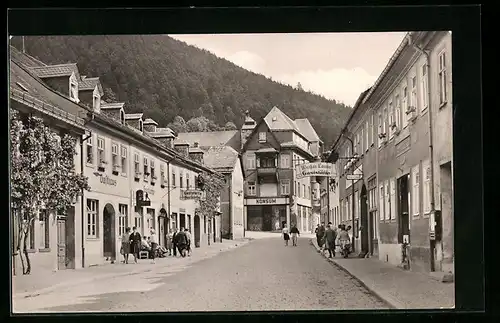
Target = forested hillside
(166,78)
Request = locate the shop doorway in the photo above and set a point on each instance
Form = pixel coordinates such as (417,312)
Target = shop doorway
(403,211)
(197,232)
(267,214)
(365,233)
(109,239)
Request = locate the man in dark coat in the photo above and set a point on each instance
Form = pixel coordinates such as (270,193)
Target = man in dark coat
(329,238)
(135,243)
(180,238)
(320,232)
(174,241)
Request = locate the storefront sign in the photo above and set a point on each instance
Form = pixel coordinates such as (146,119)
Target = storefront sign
(191,194)
(315,169)
(267,201)
(108,181)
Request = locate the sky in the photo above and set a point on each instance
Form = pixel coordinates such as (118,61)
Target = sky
(339,66)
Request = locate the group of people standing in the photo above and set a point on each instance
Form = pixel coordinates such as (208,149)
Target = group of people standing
(133,243)
(328,237)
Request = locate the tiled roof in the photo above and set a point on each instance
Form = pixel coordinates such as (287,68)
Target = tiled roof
(277,120)
(212,139)
(55,70)
(195,150)
(111,106)
(221,157)
(162,133)
(132,116)
(178,142)
(150,121)
(89,84)
(307,129)
(24,59)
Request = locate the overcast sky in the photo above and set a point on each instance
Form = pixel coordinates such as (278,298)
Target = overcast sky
(337,65)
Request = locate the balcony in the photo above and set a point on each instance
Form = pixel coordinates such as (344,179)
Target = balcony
(266,171)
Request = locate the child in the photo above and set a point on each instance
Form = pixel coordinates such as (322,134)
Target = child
(286,236)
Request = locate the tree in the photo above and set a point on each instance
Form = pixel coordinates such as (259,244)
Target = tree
(42,176)
(299,87)
(178,125)
(212,186)
(109,95)
(230,126)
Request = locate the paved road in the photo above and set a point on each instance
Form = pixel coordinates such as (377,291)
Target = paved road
(260,276)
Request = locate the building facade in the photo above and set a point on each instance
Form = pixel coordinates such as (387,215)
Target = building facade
(137,176)
(274,196)
(401,129)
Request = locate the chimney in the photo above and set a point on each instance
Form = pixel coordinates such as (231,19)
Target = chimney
(182,148)
(196,154)
(150,125)
(247,128)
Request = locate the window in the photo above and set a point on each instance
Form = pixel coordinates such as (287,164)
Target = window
(100,151)
(124,159)
(424,88)
(43,220)
(162,174)
(251,188)
(251,161)
(152,166)
(285,161)
(303,190)
(426,170)
(146,167)
(137,164)
(138,221)
(173,177)
(97,102)
(309,192)
(267,162)
(413,95)
(262,137)
(92,218)
(187,180)
(90,151)
(387,207)
(114,156)
(405,107)
(392,120)
(398,111)
(415,194)
(122,218)
(150,219)
(367,136)
(181,179)
(285,187)
(442,78)
(380,128)
(393,199)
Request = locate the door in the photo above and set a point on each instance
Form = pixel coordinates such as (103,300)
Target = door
(109,237)
(161,230)
(365,234)
(61,244)
(197,232)
(403,206)
(267,214)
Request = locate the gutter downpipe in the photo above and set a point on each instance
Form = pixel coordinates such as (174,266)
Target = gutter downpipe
(431,146)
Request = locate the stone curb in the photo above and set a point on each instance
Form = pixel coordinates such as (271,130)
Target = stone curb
(237,244)
(384,297)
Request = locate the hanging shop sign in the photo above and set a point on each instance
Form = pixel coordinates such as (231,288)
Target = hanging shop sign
(191,194)
(315,169)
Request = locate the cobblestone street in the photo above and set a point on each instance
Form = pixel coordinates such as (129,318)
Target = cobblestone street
(261,275)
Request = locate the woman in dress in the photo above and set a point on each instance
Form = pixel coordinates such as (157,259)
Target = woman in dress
(286,236)
(126,244)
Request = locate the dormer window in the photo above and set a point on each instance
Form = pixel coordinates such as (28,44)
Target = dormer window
(262,137)
(96,100)
(122,116)
(73,88)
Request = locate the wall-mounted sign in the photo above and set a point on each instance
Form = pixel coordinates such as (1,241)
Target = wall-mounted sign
(191,194)
(315,169)
(108,181)
(266,201)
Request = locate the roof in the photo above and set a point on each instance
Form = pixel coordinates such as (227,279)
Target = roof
(181,143)
(277,120)
(229,138)
(132,116)
(24,59)
(89,84)
(150,121)
(111,106)
(307,129)
(195,150)
(221,158)
(55,70)
(161,133)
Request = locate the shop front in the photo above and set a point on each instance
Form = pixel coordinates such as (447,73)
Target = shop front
(267,214)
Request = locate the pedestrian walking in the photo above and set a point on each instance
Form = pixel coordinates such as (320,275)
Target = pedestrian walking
(174,241)
(188,237)
(320,232)
(153,241)
(295,232)
(286,236)
(135,243)
(125,249)
(181,241)
(329,237)
(169,243)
